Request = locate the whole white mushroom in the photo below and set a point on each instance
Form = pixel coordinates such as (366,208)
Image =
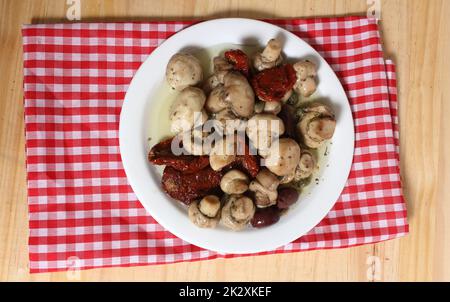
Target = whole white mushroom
(187,110)
(269,57)
(183,70)
(262,129)
(283,157)
(206,212)
(237,212)
(234,182)
(222,154)
(306,73)
(221,68)
(272,107)
(316,125)
(265,188)
(304,169)
(235,94)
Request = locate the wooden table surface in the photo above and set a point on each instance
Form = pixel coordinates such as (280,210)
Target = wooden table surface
(416,35)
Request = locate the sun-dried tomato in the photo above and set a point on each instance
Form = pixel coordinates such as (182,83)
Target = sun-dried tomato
(239,60)
(246,162)
(271,85)
(189,187)
(161,154)
(250,164)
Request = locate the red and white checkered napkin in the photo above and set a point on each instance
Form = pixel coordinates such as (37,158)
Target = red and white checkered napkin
(83,212)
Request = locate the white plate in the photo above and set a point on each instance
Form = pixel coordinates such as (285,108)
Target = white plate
(146,182)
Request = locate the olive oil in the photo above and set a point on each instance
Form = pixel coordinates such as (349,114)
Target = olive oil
(159,124)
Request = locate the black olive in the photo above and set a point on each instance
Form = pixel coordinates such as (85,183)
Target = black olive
(265,217)
(286,197)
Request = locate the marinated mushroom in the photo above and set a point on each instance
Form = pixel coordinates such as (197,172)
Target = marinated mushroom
(283,156)
(287,178)
(216,100)
(307,87)
(262,129)
(316,125)
(222,154)
(272,107)
(194,142)
(259,106)
(227,122)
(221,64)
(206,213)
(234,182)
(235,94)
(321,128)
(304,169)
(237,212)
(319,108)
(265,188)
(305,69)
(306,73)
(306,165)
(239,94)
(187,110)
(221,68)
(183,70)
(231,105)
(269,57)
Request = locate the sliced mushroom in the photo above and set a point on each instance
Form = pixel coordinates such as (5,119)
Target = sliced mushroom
(234,182)
(187,110)
(222,154)
(283,156)
(206,213)
(183,70)
(306,73)
(237,212)
(269,57)
(316,125)
(262,129)
(265,188)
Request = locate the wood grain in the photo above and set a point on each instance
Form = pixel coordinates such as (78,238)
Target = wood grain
(416,35)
